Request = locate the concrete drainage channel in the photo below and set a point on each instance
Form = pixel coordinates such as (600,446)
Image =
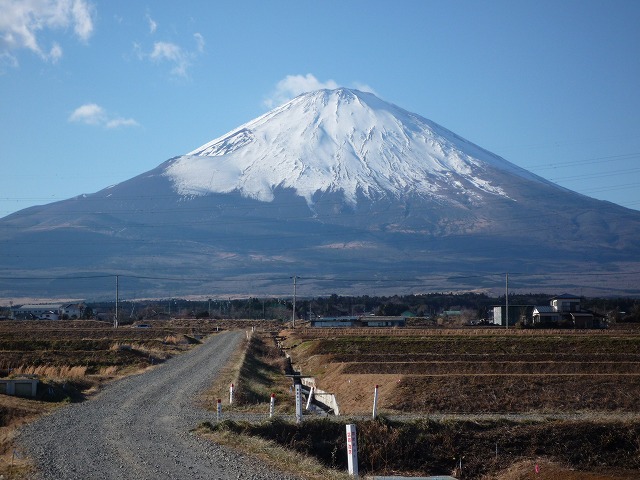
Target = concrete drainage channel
(320,401)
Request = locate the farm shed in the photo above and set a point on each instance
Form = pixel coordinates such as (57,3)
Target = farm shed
(333,322)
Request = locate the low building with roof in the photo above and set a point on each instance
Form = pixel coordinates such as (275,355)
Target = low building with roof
(37,311)
(545,314)
(347,321)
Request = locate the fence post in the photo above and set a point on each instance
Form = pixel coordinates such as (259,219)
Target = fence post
(272,405)
(352,450)
(298,403)
(375,402)
(310,398)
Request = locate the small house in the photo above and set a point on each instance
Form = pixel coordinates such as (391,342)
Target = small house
(565,309)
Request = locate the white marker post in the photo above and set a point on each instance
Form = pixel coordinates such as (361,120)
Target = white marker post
(352,450)
(231,394)
(309,399)
(298,403)
(272,405)
(375,402)
(219,410)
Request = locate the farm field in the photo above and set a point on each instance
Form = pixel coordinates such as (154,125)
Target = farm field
(514,405)
(431,371)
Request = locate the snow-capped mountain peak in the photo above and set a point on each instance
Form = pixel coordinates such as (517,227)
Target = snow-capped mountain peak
(342,141)
(394,203)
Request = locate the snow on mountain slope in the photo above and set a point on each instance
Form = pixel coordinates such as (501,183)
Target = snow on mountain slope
(341,141)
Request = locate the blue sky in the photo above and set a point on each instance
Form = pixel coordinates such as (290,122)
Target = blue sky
(95,92)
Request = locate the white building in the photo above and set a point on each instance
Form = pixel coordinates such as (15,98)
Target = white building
(48,311)
(72,310)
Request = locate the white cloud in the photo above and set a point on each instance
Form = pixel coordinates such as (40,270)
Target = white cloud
(199,41)
(82,21)
(93,114)
(21,21)
(167,51)
(153,25)
(89,113)
(175,54)
(122,122)
(363,87)
(293,85)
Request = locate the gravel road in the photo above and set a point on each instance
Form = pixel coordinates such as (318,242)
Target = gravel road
(138,428)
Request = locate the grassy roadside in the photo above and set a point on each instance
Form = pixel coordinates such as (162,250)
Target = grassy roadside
(257,370)
(487,450)
(282,458)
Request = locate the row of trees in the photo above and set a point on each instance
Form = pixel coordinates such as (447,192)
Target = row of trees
(473,305)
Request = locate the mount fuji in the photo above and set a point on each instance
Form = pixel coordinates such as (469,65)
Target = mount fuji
(350,193)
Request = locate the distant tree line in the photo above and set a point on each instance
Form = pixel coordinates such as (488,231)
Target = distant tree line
(474,305)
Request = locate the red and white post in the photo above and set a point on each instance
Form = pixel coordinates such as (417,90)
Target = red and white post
(272,405)
(231,394)
(352,450)
(219,410)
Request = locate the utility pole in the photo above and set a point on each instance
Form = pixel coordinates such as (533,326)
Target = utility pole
(506,301)
(115,319)
(293,315)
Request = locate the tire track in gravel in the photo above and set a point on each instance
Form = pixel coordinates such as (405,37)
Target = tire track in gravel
(138,428)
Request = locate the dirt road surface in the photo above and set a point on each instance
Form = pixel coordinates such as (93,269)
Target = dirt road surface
(138,428)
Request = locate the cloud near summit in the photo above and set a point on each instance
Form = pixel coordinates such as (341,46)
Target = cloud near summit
(293,85)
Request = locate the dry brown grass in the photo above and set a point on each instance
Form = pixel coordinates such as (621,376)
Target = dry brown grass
(108,371)
(173,340)
(64,372)
(422,447)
